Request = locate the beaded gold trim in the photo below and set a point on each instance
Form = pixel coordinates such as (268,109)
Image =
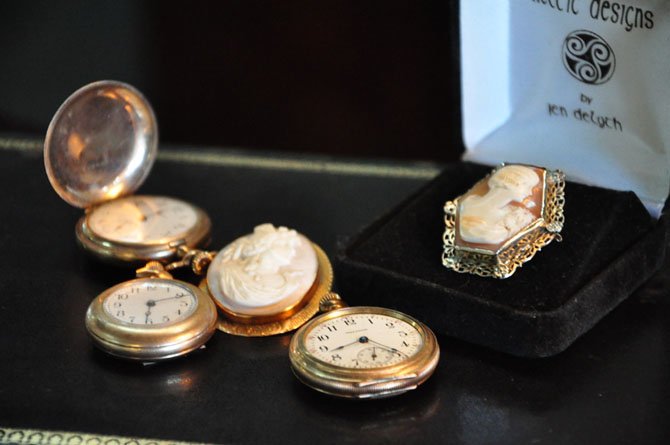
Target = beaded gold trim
(505,262)
(32,436)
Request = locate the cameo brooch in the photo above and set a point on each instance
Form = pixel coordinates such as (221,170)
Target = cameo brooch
(503,220)
(268,282)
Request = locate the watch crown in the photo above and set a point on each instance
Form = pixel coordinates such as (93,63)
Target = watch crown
(331,301)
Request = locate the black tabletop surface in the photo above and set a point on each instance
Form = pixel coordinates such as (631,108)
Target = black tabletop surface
(611,386)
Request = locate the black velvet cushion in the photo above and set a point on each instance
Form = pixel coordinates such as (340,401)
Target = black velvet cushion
(611,245)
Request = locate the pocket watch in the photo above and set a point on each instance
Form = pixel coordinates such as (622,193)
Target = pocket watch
(99,148)
(268,282)
(363,352)
(151,318)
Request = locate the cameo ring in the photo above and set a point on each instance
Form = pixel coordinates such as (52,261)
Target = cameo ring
(503,220)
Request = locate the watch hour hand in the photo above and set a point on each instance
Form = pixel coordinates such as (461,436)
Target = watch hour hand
(150,304)
(141,207)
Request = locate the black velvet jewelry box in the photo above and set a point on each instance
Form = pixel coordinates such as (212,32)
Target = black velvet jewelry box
(610,246)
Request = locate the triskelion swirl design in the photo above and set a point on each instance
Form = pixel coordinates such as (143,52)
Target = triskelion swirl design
(588,57)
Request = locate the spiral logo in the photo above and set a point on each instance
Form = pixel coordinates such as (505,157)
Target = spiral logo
(588,57)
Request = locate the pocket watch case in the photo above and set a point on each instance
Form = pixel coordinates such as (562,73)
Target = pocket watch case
(99,148)
(117,330)
(351,362)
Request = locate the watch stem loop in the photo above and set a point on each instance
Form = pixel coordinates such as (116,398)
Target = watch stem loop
(197,260)
(153,269)
(201,261)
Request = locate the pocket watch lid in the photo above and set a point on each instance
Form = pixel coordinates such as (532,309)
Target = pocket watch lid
(101,143)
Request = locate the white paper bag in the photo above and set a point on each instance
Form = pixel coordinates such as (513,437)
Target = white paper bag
(577,85)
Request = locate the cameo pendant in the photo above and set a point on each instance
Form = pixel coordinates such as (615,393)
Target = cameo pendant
(268,282)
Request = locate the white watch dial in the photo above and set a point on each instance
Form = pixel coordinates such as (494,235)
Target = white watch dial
(151,303)
(142,219)
(363,341)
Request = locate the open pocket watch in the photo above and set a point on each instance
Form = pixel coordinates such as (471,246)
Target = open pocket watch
(99,148)
(151,318)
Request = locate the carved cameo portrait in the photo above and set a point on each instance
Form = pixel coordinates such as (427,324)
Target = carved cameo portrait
(499,207)
(503,221)
(264,273)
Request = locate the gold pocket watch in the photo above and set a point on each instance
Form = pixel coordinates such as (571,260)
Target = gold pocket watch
(363,352)
(99,148)
(151,318)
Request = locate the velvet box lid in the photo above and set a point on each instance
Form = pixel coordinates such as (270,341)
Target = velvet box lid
(611,242)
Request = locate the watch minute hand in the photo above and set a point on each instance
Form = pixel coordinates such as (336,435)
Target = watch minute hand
(344,346)
(363,339)
(169,298)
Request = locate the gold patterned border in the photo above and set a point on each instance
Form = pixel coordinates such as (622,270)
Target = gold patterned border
(30,436)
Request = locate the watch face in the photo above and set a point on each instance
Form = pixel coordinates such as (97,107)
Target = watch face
(150,302)
(363,340)
(151,319)
(142,219)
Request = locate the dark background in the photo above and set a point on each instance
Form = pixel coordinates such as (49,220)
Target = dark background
(350,77)
(362,78)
